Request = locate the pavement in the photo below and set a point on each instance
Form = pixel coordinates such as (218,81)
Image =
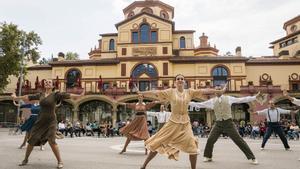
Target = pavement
(102,153)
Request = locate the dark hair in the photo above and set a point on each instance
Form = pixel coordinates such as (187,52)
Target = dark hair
(178,75)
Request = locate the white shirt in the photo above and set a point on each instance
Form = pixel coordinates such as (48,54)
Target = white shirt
(296,101)
(162,117)
(61,126)
(274,114)
(210,103)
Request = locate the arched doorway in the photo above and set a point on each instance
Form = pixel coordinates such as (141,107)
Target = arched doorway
(95,110)
(8,113)
(145,76)
(64,112)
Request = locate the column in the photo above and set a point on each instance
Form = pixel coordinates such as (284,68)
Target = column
(114,115)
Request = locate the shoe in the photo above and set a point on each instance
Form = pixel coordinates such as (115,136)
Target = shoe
(60,165)
(288,149)
(262,148)
(24,162)
(42,148)
(299,159)
(254,161)
(206,159)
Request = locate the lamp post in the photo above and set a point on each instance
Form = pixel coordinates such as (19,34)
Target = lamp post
(21,75)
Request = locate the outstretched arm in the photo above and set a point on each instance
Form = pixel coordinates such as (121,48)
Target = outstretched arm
(17,98)
(209,104)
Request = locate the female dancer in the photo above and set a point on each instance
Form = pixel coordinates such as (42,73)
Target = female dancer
(35,110)
(44,129)
(137,129)
(176,135)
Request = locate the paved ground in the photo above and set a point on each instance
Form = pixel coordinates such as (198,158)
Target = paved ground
(102,153)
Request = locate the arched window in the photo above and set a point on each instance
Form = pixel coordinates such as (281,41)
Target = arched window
(144,32)
(182,42)
(164,14)
(112,44)
(73,78)
(131,14)
(145,84)
(147,10)
(220,75)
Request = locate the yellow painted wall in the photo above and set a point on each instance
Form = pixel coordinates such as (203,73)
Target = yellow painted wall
(288,28)
(291,48)
(189,40)
(279,73)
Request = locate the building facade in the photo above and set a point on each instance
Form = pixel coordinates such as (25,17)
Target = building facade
(147,52)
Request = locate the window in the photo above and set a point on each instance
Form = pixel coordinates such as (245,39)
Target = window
(73,78)
(135,37)
(153,36)
(112,44)
(123,69)
(144,68)
(124,51)
(147,10)
(165,69)
(149,70)
(165,50)
(144,32)
(182,42)
(219,76)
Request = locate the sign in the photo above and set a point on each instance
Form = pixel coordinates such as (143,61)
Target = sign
(145,51)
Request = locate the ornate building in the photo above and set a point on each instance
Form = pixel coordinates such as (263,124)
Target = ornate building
(147,51)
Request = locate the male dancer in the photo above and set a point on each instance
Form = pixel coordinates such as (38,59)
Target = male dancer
(221,104)
(273,118)
(162,116)
(293,100)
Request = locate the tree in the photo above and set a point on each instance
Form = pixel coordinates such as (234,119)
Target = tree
(12,42)
(44,61)
(72,56)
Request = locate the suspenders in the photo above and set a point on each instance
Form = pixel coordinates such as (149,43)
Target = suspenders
(276,116)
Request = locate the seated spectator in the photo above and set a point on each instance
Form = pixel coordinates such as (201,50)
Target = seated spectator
(255,131)
(61,127)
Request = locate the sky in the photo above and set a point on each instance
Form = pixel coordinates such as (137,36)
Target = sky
(75,25)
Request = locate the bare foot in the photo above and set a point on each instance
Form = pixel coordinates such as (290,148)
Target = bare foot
(123,151)
(24,162)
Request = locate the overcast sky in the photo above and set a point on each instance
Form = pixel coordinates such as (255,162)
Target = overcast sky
(75,25)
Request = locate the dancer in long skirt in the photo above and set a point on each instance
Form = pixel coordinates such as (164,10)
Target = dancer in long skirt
(221,104)
(27,125)
(137,129)
(176,135)
(44,129)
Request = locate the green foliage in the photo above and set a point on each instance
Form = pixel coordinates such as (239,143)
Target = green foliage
(72,56)
(11,45)
(43,61)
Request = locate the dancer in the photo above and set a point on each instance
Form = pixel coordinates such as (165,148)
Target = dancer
(27,125)
(44,129)
(137,129)
(293,100)
(221,104)
(162,116)
(273,120)
(176,135)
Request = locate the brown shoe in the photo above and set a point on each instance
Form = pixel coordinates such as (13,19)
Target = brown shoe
(60,165)
(24,162)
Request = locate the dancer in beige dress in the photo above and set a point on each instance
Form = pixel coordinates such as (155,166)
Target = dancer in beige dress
(44,129)
(176,135)
(137,129)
